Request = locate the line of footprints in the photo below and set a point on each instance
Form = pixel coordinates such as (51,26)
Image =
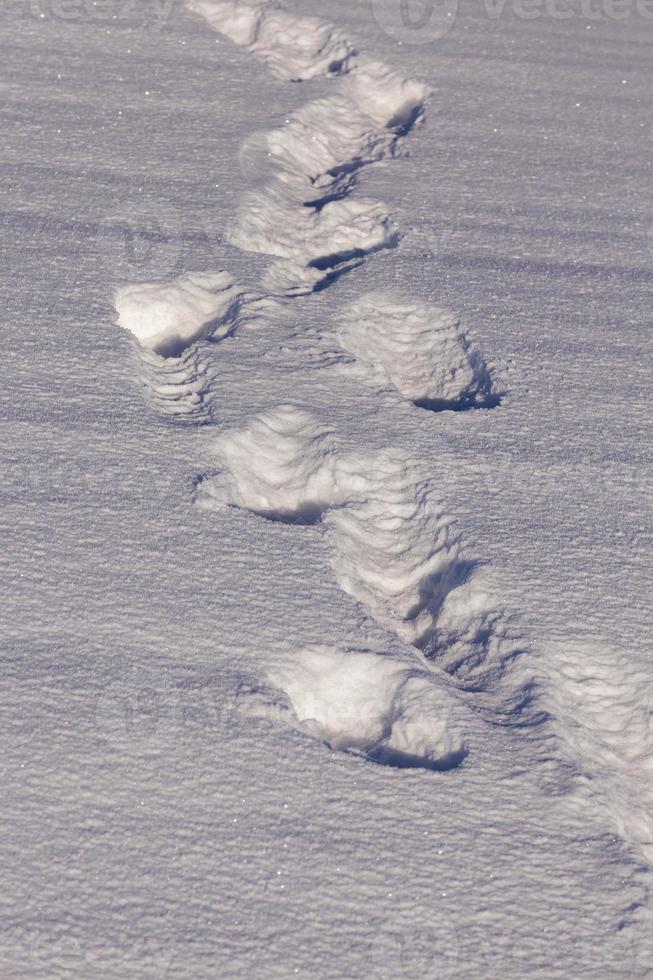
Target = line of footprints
(391,545)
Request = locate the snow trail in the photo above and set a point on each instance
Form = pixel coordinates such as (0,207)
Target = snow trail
(393,546)
(393,549)
(303,213)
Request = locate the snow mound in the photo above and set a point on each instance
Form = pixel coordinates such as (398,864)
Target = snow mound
(314,239)
(417,349)
(314,245)
(321,146)
(292,46)
(279,465)
(374,704)
(169,316)
(291,277)
(324,143)
(383,94)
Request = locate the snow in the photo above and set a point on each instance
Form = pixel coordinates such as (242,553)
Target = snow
(191,767)
(168,317)
(303,212)
(293,47)
(420,351)
(363,701)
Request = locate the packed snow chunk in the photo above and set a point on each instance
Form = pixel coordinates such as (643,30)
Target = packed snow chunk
(475,640)
(391,100)
(169,316)
(394,548)
(322,145)
(297,48)
(292,46)
(315,246)
(279,465)
(419,350)
(374,704)
(290,278)
(269,223)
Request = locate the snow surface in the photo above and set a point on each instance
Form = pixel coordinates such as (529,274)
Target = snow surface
(324,682)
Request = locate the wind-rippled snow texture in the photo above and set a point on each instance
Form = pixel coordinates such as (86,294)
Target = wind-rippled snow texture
(167,317)
(419,350)
(293,47)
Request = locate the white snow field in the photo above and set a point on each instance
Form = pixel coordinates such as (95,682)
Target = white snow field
(326,497)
